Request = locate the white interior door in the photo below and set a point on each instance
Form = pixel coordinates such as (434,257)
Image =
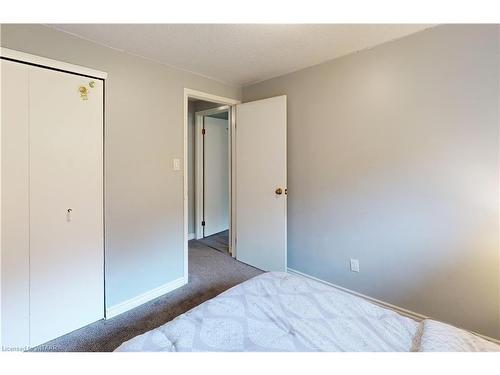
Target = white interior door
(216,175)
(260,173)
(66,204)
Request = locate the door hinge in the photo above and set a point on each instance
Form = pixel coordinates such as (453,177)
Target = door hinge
(203,223)
(203,131)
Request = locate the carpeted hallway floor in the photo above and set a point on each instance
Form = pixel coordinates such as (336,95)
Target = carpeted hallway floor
(218,241)
(210,273)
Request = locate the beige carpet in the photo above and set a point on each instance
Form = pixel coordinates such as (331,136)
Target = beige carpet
(210,273)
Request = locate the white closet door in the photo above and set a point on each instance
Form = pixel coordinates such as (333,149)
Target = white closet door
(15,205)
(66,204)
(216,175)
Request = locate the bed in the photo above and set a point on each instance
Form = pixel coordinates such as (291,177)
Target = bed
(278,311)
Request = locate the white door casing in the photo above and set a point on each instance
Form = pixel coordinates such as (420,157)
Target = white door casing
(216,175)
(261,169)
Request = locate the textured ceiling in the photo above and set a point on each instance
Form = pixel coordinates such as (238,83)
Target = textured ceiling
(240,54)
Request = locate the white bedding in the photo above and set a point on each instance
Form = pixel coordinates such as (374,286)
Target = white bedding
(440,337)
(281,312)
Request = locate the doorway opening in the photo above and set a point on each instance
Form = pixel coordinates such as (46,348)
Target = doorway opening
(248,165)
(208,171)
(211,175)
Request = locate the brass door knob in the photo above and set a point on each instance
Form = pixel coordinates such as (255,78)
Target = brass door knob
(279,191)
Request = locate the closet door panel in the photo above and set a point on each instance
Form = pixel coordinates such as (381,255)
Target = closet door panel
(14,202)
(66,204)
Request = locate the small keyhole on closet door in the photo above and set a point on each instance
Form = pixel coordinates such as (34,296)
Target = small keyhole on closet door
(68,214)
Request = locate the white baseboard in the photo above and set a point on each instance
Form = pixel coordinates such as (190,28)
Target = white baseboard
(145,297)
(191,236)
(399,310)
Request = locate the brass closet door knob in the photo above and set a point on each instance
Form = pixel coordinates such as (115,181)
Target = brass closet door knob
(279,191)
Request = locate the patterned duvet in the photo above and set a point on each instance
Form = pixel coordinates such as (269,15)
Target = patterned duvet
(281,312)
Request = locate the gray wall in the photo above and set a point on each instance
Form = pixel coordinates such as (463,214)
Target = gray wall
(144,132)
(393,159)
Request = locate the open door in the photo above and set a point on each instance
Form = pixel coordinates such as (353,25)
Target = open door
(261,183)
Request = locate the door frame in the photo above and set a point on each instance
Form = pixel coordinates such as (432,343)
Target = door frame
(199,163)
(195,94)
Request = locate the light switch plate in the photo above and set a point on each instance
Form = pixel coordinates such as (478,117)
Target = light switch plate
(177,164)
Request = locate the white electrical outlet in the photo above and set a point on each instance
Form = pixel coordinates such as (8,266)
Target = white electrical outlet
(354,265)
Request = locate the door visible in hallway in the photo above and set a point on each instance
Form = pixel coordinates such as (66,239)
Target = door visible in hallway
(216,175)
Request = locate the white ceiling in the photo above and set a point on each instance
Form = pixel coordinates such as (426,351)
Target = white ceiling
(240,54)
